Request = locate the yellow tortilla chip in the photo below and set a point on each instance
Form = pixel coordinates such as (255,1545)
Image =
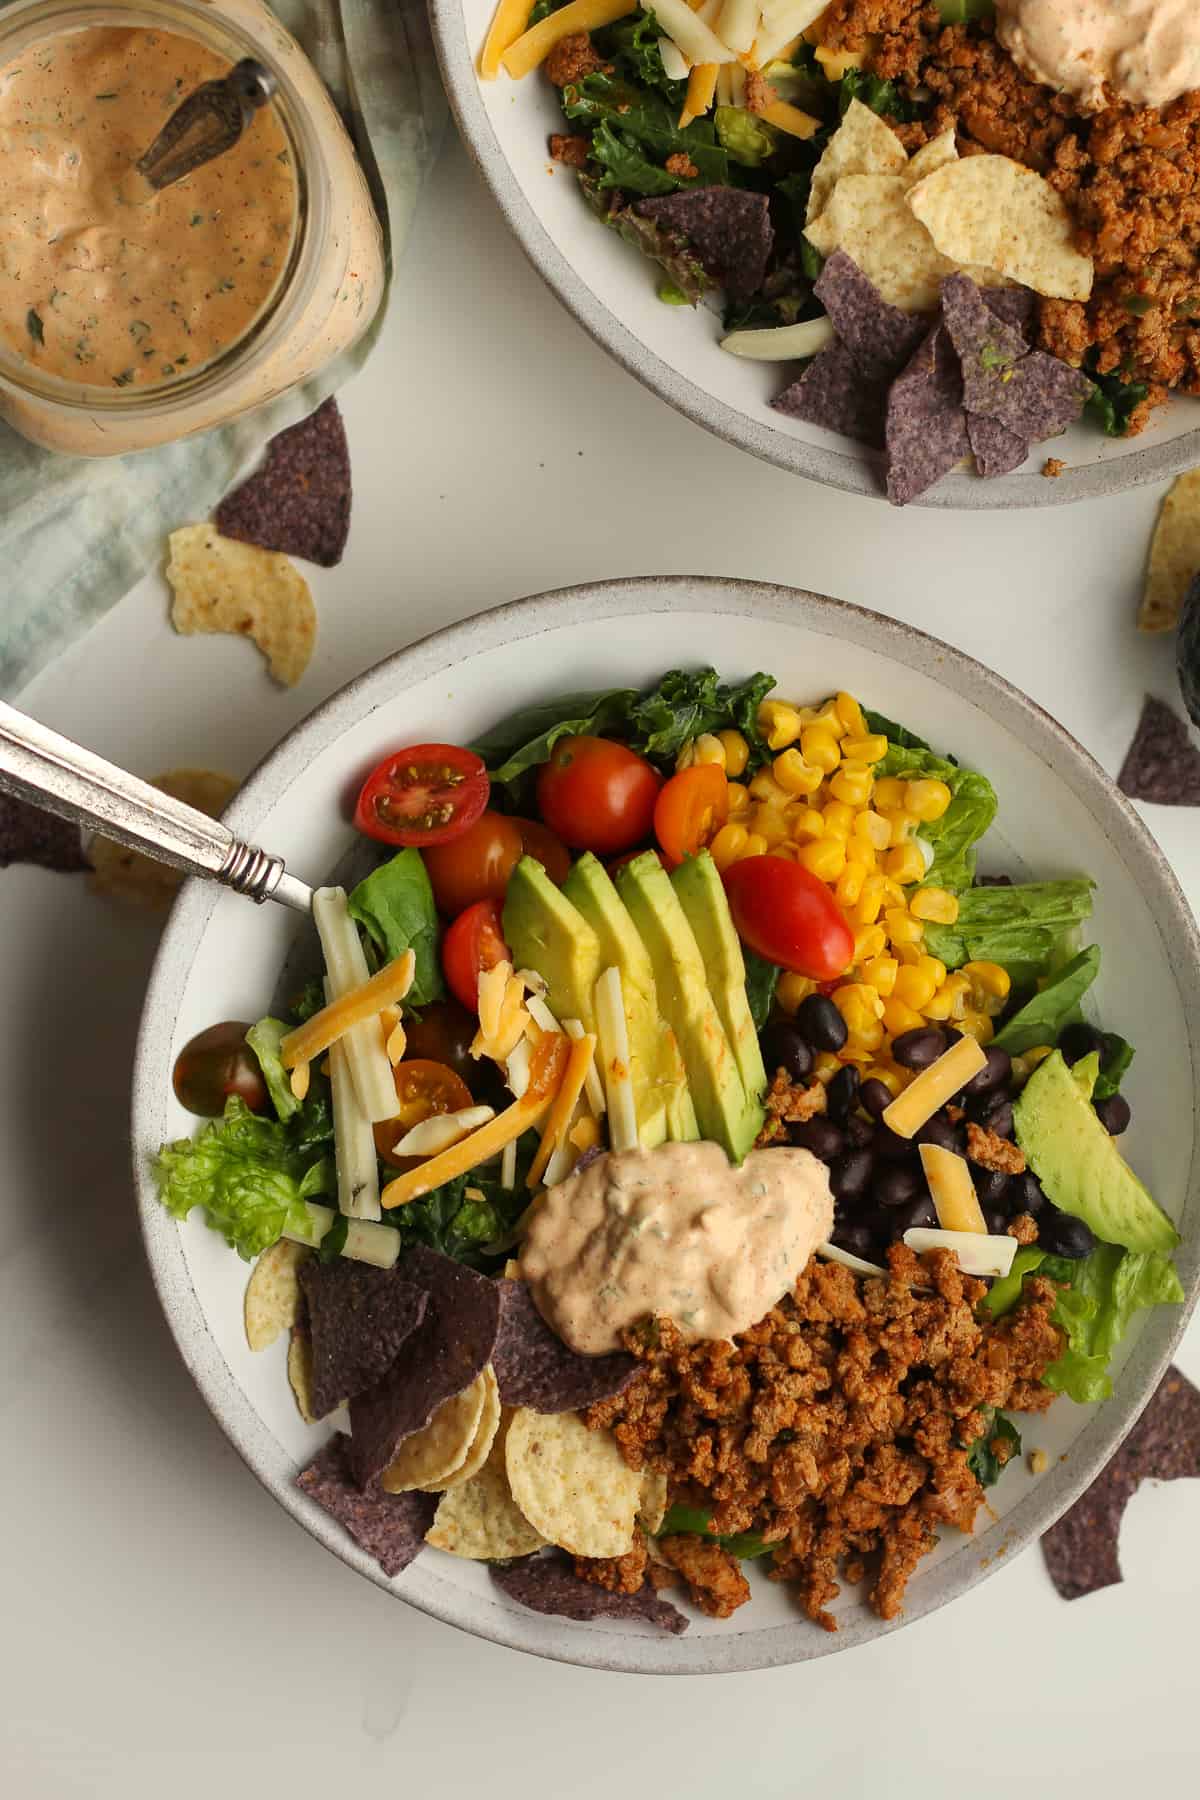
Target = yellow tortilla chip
(485,1436)
(992,211)
(868,217)
(127,874)
(1174,556)
(299,1366)
(934,155)
(572,1484)
(272,1302)
(479,1518)
(861,145)
(430,1455)
(652,1507)
(223,585)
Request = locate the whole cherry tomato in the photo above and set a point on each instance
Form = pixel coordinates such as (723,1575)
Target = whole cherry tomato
(215,1064)
(427,794)
(788,916)
(475,865)
(473,943)
(422,1089)
(597,795)
(539,841)
(690,811)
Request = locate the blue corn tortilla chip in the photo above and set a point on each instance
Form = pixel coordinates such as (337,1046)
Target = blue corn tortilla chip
(1014,305)
(1081,1550)
(926,429)
(549,1584)
(534,1368)
(878,335)
(29,835)
(298,501)
(358,1318)
(996,449)
(1034,395)
(1162,765)
(450,1347)
(834,393)
(728,228)
(389,1527)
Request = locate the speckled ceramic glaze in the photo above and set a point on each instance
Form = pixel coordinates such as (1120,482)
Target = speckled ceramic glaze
(1059,814)
(610,289)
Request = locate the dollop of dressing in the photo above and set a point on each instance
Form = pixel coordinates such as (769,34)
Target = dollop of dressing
(103,280)
(679,1232)
(1148,51)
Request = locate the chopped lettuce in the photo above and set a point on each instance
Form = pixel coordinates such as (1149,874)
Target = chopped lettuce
(248,1176)
(687,281)
(1112,402)
(762,978)
(1043,1019)
(1014,926)
(694,1520)
(472,1218)
(883,97)
(982,1459)
(264,1039)
(394,905)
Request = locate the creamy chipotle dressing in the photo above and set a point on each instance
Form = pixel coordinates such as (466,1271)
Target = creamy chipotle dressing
(1148,51)
(102,280)
(676,1231)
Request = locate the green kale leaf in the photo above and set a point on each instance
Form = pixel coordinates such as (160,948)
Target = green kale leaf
(984,1462)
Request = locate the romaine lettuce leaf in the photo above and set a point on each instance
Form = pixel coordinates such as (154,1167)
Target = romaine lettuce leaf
(970,812)
(693,1519)
(247,1175)
(1115,1059)
(264,1039)
(1023,924)
(1042,1019)
(394,905)
(762,978)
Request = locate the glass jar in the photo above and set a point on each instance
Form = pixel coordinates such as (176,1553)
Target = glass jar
(329,285)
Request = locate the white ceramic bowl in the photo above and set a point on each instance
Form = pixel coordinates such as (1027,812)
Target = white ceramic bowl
(610,288)
(1059,814)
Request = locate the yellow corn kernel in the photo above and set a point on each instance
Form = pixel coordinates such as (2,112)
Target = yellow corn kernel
(893,894)
(928,799)
(792,989)
(772,822)
(825,1066)
(710,749)
(898,1017)
(902,928)
(990,977)
(914,988)
(1024,1065)
(850,883)
(905,864)
(764,786)
(870,903)
(937,905)
(909,955)
(755,845)
(790,852)
(873,829)
(854,1052)
(728,845)
(957,989)
(825,714)
(888,1074)
(839,819)
(934,968)
(978,1026)
(794,775)
(820,748)
(901,826)
(870,749)
(737,752)
(779,723)
(864,1041)
(889,792)
(850,713)
(825,858)
(858,1004)
(940,1007)
(869,941)
(807,824)
(852,783)
(737,796)
(880,972)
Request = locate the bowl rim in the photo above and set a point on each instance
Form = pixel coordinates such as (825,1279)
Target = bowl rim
(439,652)
(847,470)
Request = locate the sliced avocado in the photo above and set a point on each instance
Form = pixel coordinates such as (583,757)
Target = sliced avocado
(702,896)
(682,1124)
(1077,1162)
(724,1113)
(546,933)
(589,888)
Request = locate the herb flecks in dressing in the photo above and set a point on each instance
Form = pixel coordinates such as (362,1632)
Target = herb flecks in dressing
(1148,51)
(679,1232)
(129,287)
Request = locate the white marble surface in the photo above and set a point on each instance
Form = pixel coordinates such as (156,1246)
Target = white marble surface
(166,1629)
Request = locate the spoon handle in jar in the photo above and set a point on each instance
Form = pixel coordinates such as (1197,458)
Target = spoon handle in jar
(40,765)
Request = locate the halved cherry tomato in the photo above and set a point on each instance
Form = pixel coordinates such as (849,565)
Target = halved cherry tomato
(539,841)
(422,1089)
(475,865)
(597,795)
(788,916)
(691,810)
(473,943)
(427,794)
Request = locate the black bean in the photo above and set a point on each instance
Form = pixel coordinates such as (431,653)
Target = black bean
(820,1136)
(820,1023)
(1114,1114)
(995,1220)
(918,1048)
(993,1111)
(1079,1040)
(857,1239)
(996,1073)
(990,1185)
(896,1184)
(875,1097)
(851,1174)
(1025,1194)
(1062,1235)
(943,1132)
(841,1094)
(891,1147)
(859,1132)
(783,1047)
(918,1213)
(952,1035)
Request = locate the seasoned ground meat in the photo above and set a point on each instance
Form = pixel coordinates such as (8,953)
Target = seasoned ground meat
(1131,176)
(619,1574)
(570,150)
(1053,467)
(759,92)
(571,59)
(838,1427)
(793,1101)
(990,1151)
(714,1577)
(1024,1228)
(682,165)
